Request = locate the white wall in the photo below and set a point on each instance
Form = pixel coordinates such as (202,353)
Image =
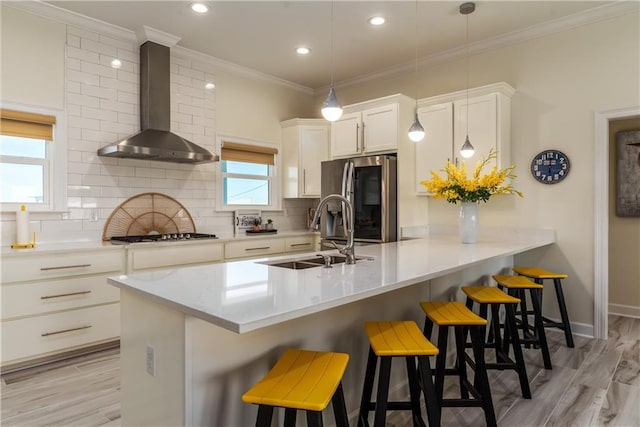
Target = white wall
(102,107)
(31,44)
(560,81)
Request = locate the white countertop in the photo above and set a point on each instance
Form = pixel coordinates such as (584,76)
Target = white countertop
(46,248)
(246,295)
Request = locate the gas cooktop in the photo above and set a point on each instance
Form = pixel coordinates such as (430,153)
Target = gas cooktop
(175,237)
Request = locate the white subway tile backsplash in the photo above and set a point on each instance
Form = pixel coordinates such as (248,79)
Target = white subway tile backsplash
(103,180)
(78,99)
(128,76)
(129,55)
(95,46)
(83,122)
(176,62)
(113,170)
(98,69)
(83,55)
(127,45)
(99,92)
(131,98)
(82,144)
(150,173)
(99,114)
(120,107)
(80,77)
(190,72)
(98,136)
(74,87)
(131,119)
(142,183)
(73,64)
(119,128)
(73,40)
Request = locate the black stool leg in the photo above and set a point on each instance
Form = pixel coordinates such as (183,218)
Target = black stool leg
(494,326)
(290,417)
(367,389)
(414,392)
(441,359)
(314,419)
(339,407)
(461,364)
(524,314)
(563,312)
(536,300)
(265,413)
(430,398)
(482,380)
(512,331)
(383,392)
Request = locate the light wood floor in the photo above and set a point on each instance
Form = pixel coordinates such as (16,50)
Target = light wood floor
(595,384)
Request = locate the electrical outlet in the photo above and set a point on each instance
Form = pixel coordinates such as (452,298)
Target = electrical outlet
(151,360)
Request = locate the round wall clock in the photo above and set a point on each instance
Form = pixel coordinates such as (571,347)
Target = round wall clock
(550,166)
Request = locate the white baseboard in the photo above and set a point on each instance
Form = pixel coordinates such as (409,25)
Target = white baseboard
(624,310)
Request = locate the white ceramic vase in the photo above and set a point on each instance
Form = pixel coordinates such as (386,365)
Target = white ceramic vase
(468,223)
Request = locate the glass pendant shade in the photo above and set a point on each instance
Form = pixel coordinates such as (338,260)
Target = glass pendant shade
(467,149)
(416,131)
(331,108)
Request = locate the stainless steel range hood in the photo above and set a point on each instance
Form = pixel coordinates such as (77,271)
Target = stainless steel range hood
(155,141)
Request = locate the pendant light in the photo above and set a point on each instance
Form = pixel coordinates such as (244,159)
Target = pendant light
(416,131)
(331,108)
(467,149)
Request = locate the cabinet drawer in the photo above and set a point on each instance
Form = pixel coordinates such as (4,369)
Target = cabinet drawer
(42,335)
(248,249)
(28,299)
(167,256)
(22,269)
(300,243)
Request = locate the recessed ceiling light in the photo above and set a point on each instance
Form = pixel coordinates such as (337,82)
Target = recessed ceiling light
(303,50)
(116,63)
(376,20)
(210,86)
(199,7)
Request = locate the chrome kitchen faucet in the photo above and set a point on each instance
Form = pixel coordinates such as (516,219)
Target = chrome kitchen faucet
(347,250)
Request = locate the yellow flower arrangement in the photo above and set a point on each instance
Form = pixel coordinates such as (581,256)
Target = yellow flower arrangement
(457,186)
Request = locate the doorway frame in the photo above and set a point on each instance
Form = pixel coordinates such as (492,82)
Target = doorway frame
(601,214)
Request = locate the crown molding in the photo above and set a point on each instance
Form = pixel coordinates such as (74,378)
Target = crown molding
(156,36)
(64,16)
(586,17)
(239,70)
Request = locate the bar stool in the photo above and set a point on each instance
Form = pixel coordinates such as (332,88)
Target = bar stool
(301,380)
(538,275)
(516,286)
(398,339)
(455,314)
(492,297)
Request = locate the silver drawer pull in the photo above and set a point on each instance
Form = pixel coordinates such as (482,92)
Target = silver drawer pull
(46,334)
(65,266)
(65,295)
(257,249)
(300,244)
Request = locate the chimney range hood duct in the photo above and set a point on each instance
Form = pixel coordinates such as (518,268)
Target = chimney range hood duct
(155,141)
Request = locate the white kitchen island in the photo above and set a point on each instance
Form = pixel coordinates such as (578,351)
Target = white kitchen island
(217,329)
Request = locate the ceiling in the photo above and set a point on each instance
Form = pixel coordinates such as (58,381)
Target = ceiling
(263,35)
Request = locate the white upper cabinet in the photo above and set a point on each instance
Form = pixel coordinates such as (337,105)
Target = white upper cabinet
(305,144)
(444,119)
(371,127)
(346,136)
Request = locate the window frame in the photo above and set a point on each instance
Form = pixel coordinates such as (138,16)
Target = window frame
(275,200)
(55,163)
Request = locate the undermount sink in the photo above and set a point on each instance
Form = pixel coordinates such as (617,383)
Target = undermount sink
(316,261)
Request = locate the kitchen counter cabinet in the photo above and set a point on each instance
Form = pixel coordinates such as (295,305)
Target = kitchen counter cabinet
(53,303)
(305,144)
(371,127)
(218,328)
(191,253)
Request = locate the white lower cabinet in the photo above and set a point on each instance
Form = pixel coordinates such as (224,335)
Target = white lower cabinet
(54,303)
(253,248)
(173,255)
(299,244)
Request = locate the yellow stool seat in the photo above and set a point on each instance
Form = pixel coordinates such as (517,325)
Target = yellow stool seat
(515,282)
(538,273)
(301,379)
(489,295)
(398,338)
(451,313)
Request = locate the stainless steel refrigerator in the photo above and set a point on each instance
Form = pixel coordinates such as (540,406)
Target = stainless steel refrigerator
(370,183)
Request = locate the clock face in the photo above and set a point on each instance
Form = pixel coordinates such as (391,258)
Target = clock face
(550,166)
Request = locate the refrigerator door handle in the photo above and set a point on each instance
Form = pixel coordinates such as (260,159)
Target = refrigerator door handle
(345,172)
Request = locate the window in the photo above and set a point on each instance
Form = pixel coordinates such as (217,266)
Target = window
(248,175)
(28,160)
